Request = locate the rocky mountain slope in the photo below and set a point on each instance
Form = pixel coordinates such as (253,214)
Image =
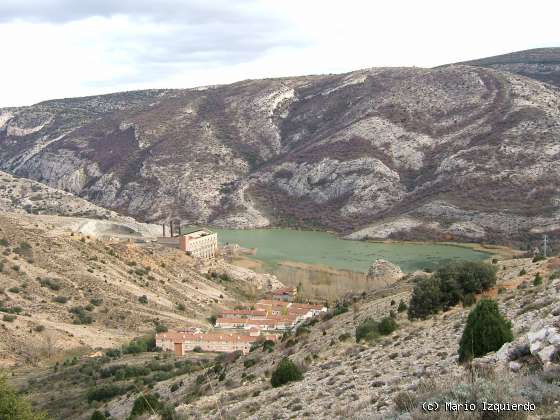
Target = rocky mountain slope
(387,378)
(541,64)
(457,152)
(63,292)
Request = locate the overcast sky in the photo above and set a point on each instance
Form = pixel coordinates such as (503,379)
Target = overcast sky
(63,48)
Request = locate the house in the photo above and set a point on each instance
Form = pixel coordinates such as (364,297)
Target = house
(244,313)
(182,342)
(286,294)
(271,323)
(200,243)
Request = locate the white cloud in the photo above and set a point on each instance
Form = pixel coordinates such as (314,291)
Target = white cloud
(61,48)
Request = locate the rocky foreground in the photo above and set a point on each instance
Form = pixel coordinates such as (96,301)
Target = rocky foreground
(459,152)
(389,378)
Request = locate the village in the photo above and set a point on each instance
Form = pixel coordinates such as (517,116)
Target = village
(237,329)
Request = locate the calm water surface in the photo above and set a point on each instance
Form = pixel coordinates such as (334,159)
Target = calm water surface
(277,245)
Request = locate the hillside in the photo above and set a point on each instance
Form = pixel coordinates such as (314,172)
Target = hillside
(541,64)
(458,152)
(71,293)
(388,377)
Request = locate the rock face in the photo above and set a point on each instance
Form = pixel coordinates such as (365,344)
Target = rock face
(384,272)
(458,152)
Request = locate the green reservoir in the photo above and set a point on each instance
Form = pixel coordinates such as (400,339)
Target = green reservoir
(320,248)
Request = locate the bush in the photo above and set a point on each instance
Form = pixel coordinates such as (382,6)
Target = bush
(181,307)
(161,328)
(426,298)
(146,403)
(387,326)
(143,299)
(105,392)
(286,372)
(14,290)
(486,330)
(81,316)
(98,415)
(402,306)
(212,319)
(448,286)
(469,300)
(96,301)
(39,328)
(60,299)
(9,318)
(539,257)
(523,272)
(14,407)
(538,280)
(140,345)
(247,363)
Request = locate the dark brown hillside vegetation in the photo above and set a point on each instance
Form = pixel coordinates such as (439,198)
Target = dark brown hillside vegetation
(356,149)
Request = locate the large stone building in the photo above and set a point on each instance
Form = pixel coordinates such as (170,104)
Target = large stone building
(200,243)
(182,342)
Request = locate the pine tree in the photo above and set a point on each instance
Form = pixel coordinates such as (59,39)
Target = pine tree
(286,372)
(486,330)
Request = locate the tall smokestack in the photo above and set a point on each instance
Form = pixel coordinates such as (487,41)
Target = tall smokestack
(171,227)
(163,226)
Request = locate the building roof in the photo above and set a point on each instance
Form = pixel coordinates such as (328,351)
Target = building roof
(271,302)
(220,337)
(244,312)
(269,321)
(306,306)
(199,233)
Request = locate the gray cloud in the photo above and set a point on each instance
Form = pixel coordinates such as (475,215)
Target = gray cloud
(186,11)
(195,32)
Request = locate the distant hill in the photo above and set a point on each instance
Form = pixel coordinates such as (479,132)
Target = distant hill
(459,152)
(541,64)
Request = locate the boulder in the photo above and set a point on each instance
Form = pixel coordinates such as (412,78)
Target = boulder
(384,272)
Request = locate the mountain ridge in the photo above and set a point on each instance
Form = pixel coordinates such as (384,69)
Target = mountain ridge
(341,152)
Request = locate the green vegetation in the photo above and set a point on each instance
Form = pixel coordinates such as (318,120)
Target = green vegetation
(448,286)
(60,299)
(81,316)
(143,299)
(105,392)
(13,407)
(486,330)
(146,403)
(161,328)
(539,257)
(50,283)
(370,329)
(286,372)
(9,318)
(523,272)
(98,415)
(469,300)
(538,280)
(402,306)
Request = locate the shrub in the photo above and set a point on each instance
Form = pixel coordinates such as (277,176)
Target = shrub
(247,363)
(60,299)
(286,372)
(161,328)
(9,318)
(146,403)
(14,407)
(198,349)
(14,289)
(539,257)
(387,326)
(4,242)
(140,345)
(96,301)
(486,330)
(81,316)
(402,306)
(538,280)
(143,299)
(344,337)
(426,298)
(523,272)
(39,328)
(181,307)
(105,392)
(212,319)
(98,415)
(469,300)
